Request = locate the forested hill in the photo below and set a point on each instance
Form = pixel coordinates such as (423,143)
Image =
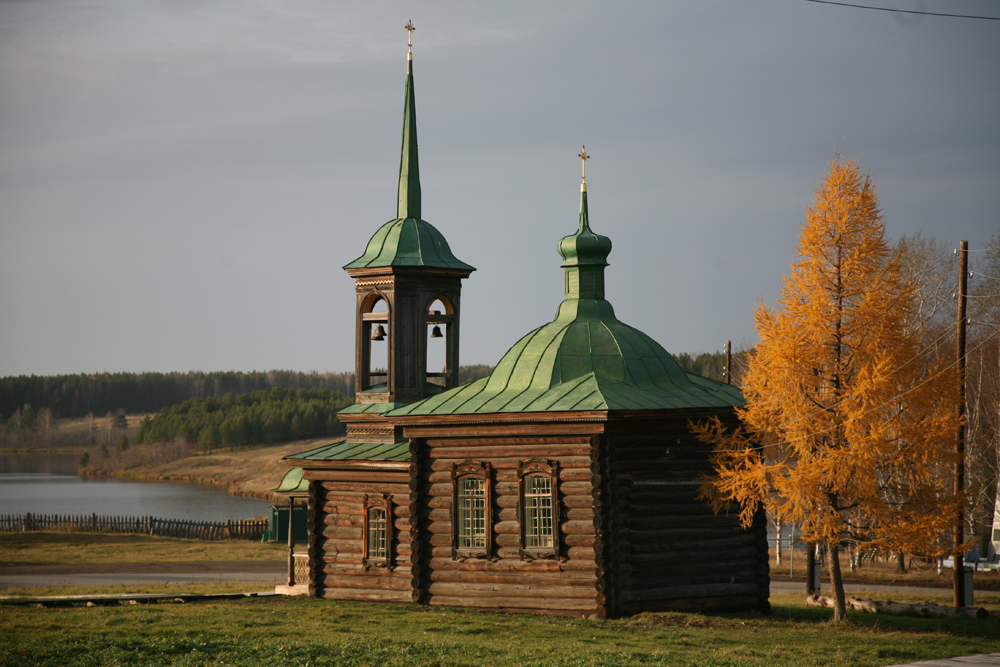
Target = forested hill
(273,415)
(69,396)
(708,364)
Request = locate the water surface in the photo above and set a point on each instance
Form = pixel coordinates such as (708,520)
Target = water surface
(49,485)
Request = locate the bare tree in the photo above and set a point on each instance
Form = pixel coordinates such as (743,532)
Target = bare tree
(983,387)
(47,424)
(931,267)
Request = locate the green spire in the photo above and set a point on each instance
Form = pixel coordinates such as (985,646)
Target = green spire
(585,254)
(407,240)
(409,169)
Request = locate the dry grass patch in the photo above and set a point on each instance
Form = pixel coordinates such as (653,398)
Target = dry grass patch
(247,471)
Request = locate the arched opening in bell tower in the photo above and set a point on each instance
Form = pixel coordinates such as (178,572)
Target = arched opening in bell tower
(440,317)
(375,337)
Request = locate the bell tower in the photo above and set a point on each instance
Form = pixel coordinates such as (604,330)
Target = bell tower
(408,287)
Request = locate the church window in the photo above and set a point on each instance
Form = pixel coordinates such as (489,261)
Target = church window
(377,530)
(537,512)
(376,533)
(472,504)
(538,508)
(471,512)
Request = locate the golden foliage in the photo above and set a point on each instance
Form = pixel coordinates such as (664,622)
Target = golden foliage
(848,432)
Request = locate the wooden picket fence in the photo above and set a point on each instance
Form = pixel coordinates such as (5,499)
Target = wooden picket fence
(241,529)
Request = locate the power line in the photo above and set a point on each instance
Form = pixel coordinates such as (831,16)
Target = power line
(890,401)
(906,11)
(947,332)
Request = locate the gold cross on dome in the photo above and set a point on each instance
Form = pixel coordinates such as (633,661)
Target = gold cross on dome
(583,158)
(409,33)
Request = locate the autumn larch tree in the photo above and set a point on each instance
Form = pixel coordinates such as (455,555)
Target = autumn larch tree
(847,433)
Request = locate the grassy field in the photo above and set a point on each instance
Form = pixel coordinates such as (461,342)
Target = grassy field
(73,548)
(296,631)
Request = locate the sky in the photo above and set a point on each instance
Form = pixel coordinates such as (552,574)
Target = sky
(181,181)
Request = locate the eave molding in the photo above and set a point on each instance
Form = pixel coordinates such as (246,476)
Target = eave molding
(594,416)
(353,466)
(392,271)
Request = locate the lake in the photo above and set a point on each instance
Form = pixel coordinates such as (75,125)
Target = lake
(43,484)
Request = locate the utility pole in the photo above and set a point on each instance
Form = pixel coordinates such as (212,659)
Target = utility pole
(291,540)
(963,273)
(777,542)
(729,364)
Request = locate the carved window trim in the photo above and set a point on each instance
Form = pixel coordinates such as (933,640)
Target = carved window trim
(544,468)
(377,501)
(465,470)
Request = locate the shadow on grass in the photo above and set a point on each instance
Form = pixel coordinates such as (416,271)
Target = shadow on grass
(987,628)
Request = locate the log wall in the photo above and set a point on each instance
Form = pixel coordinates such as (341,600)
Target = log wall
(337,551)
(670,550)
(502,579)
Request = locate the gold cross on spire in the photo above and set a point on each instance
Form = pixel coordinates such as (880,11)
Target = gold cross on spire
(409,40)
(583,159)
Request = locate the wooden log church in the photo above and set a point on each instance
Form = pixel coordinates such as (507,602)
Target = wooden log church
(566,482)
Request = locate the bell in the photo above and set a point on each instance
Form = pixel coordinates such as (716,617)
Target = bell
(436,332)
(379,333)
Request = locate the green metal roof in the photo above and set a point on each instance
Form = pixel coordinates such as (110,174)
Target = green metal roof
(370,408)
(586,359)
(408,240)
(292,483)
(344,450)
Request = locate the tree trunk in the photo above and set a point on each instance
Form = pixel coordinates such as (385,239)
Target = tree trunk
(810,567)
(836,582)
(900,562)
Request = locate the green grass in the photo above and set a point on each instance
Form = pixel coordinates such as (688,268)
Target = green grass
(296,631)
(73,548)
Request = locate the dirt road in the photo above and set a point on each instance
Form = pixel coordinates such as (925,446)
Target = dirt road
(97,574)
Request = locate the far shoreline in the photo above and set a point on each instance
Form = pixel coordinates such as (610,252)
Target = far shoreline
(250,471)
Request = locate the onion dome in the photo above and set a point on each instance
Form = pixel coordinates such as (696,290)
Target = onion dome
(585,254)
